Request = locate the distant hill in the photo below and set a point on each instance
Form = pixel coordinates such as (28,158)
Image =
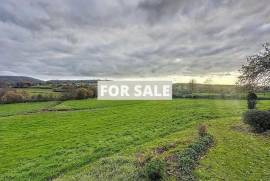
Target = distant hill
(14,80)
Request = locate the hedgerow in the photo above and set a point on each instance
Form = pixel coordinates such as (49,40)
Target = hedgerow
(185,161)
(259,120)
(188,159)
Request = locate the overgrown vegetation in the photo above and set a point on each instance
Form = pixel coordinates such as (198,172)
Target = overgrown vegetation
(187,160)
(259,120)
(181,164)
(79,93)
(155,169)
(18,95)
(13,97)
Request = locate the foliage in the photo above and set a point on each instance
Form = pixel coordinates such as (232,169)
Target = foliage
(72,92)
(13,97)
(257,70)
(259,120)
(155,169)
(19,95)
(188,159)
(202,130)
(82,93)
(252,95)
(252,98)
(2,92)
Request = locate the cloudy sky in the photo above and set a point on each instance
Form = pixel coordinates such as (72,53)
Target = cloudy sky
(137,39)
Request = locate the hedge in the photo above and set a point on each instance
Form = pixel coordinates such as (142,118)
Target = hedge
(188,159)
(259,120)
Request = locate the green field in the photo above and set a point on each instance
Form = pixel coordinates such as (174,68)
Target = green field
(24,108)
(43,141)
(40,91)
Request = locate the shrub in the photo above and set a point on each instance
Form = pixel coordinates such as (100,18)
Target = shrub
(188,159)
(251,95)
(202,130)
(12,97)
(251,100)
(259,120)
(155,169)
(90,93)
(81,93)
(2,92)
(142,159)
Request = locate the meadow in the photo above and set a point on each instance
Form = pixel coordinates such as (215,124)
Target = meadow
(33,91)
(64,140)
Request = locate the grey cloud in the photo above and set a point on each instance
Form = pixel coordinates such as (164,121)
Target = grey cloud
(156,10)
(140,38)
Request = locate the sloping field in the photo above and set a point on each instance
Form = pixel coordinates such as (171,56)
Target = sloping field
(23,108)
(49,144)
(238,154)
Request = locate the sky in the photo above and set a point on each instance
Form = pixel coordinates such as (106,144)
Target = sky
(178,40)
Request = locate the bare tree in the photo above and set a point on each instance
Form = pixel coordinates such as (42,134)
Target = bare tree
(257,70)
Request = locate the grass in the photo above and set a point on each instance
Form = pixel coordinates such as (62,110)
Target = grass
(91,104)
(47,145)
(238,154)
(232,95)
(40,91)
(264,95)
(22,108)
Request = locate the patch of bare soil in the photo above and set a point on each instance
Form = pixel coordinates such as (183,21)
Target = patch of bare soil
(247,129)
(241,128)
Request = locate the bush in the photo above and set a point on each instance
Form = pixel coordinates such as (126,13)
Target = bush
(90,93)
(82,93)
(2,92)
(252,95)
(251,100)
(202,130)
(12,97)
(188,159)
(155,169)
(259,120)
